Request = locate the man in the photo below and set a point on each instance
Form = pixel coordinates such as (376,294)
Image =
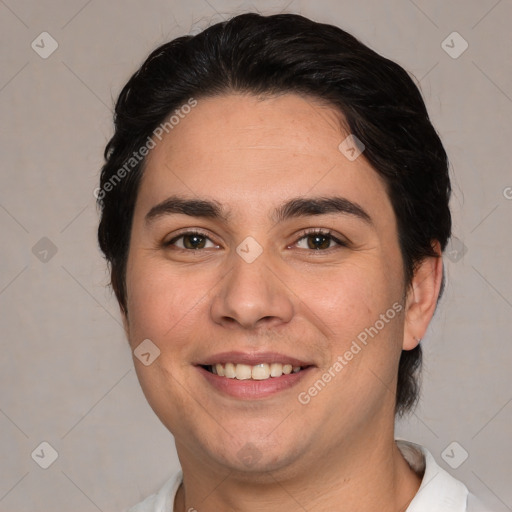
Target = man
(274,210)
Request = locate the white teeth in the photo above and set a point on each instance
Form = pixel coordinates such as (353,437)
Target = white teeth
(243,371)
(287,368)
(229,370)
(260,371)
(276,370)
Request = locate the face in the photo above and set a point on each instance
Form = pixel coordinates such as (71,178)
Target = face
(257,245)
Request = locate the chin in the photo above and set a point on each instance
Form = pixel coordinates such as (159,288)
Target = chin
(256,456)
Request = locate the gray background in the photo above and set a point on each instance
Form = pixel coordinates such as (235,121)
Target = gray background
(66,372)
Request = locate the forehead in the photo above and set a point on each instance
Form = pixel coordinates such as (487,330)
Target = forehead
(220,125)
(244,150)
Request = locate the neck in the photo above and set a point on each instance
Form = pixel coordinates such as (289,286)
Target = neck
(354,477)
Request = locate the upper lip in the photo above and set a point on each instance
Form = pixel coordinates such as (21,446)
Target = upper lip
(252,358)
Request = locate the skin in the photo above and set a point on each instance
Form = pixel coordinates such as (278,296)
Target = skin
(337,452)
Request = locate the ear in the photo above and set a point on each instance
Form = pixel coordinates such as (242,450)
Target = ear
(422,298)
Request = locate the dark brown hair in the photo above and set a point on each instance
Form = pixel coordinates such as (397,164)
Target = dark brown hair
(287,53)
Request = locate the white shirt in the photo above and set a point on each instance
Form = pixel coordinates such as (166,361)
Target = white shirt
(438,492)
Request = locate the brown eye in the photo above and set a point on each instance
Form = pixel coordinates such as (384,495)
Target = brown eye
(194,242)
(191,241)
(318,241)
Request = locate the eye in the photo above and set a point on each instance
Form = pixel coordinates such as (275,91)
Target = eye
(319,240)
(192,240)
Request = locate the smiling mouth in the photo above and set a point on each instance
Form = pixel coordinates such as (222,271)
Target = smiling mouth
(262,371)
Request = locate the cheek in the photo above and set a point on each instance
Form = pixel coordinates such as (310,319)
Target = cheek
(156,300)
(167,304)
(161,306)
(351,297)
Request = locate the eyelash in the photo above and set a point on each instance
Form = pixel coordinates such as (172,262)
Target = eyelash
(304,234)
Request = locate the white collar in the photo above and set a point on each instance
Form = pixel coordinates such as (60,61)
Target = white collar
(438,492)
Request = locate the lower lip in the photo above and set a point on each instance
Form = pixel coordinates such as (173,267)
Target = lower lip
(253,389)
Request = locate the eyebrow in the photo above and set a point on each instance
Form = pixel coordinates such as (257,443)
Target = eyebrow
(193,207)
(293,208)
(304,207)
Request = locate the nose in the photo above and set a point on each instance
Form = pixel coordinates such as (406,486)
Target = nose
(252,295)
